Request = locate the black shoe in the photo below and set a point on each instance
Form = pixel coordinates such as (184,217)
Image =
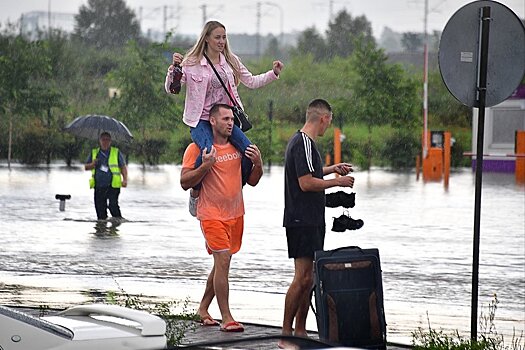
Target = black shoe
(340,199)
(345,222)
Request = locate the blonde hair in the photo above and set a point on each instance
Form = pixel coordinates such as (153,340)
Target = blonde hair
(195,54)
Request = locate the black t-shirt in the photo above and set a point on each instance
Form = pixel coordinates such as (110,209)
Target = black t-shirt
(302,208)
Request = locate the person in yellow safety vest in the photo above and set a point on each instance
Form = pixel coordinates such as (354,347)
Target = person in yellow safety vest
(109,174)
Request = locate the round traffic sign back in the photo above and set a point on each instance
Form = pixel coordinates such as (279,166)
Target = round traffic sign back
(459,53)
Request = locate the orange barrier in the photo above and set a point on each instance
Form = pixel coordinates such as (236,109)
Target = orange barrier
(446,158)
(520,160)
(436,164)
(327,159)
(337,145)
(433,165)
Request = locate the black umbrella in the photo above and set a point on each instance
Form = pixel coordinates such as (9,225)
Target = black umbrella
(91,126)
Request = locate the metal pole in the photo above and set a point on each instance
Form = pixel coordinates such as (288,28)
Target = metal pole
(49,19)
(281,12)
(482,93)
(258,33)
(425,87)
(270,118)
(204,16)
(140,19)
(164,19)
(282,25)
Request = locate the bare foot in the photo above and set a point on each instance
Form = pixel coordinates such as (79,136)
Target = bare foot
(207,320)
(287,344)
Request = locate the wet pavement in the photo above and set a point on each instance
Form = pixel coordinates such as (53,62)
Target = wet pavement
(255,336)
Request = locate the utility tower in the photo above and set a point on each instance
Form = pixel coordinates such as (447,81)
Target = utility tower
(204,16)
(425,83)
(258,30)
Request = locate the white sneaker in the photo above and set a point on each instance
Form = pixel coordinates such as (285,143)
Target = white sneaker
(192,206)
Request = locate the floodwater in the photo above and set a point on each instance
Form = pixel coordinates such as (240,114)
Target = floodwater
(423,231)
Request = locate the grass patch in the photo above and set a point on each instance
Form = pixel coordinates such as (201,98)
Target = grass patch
(488,339)
(176,323)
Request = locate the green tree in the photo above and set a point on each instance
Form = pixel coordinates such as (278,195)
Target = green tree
(412,41)
(22,65)
(382,94)
(444,109)
(311,42)
(49,99)
(274,49)
(143,104)
(106,24)
(343,31)
(34,142)
(399,148)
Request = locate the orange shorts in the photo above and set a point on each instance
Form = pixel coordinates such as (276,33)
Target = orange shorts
(223,235)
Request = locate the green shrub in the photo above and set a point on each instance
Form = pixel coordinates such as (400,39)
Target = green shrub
(400,149)
(34,143)
(489,338)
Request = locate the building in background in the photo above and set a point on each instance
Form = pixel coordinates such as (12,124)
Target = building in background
(501,123)
(35,22)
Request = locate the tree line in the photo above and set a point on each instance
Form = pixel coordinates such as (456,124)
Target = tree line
(47,82)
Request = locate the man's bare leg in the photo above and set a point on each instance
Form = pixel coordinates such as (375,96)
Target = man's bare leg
(207,298)
(302,313)
(295,299)
(221,284)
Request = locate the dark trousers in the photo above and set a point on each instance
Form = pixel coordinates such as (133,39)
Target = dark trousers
(103,196)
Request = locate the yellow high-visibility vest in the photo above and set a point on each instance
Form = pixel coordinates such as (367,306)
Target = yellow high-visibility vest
(116,181)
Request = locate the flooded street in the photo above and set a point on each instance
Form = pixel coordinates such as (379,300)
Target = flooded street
(424,234)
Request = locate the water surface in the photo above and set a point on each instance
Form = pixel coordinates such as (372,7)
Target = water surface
(424,233)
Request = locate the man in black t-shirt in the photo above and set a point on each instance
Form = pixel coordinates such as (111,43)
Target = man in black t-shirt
(304,210)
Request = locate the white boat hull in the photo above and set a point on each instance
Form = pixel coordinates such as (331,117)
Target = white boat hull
(96,326)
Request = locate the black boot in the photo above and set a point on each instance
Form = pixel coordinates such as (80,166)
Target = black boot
(340,199)
(345,222)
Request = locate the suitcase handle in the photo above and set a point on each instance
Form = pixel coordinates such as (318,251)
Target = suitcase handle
(350,247)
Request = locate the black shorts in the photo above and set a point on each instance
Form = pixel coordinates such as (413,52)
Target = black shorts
(304,241)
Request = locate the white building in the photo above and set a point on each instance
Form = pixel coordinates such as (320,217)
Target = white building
(40,21)
(501,123)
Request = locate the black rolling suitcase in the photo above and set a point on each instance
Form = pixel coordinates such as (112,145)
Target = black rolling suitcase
(349,297)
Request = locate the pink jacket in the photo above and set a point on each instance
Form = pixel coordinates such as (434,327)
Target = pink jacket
(198,76)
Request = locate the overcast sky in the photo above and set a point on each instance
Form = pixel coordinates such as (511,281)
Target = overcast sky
(239,16)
